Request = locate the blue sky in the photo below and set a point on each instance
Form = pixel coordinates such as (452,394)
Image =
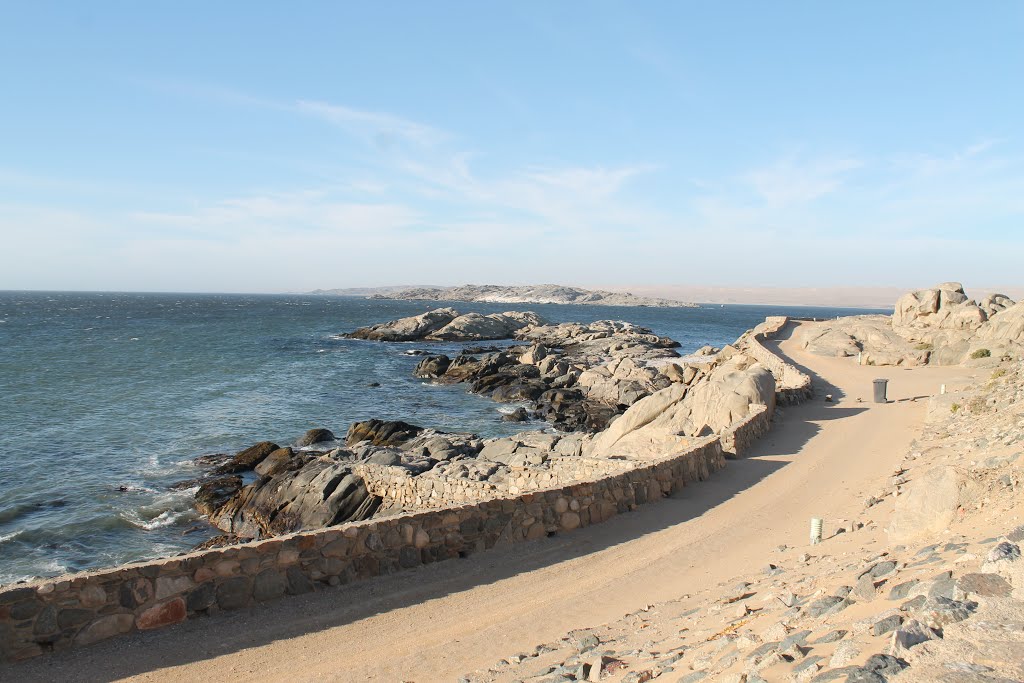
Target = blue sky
(249,146)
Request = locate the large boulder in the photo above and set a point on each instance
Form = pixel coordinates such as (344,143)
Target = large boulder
(995,303)
(322,493)
(1006,325)
(930,503)
(945,306)
(412,328)
(669,418)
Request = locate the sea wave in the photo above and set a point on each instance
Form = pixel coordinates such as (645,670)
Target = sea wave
(14,534)
(164,519)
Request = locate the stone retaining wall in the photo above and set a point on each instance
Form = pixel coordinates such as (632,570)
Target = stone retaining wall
(397,486)
(794,386)
(739,437)
(85,608)
(82,609)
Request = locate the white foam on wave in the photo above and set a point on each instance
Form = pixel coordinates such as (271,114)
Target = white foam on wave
(14,534)
(164,519)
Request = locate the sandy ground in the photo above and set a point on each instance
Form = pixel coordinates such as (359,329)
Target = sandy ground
(438,622)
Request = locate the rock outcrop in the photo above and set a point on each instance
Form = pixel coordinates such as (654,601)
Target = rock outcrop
(668,419)
(575,376)
(1006,325)
(944,307)
(446,324)
(412,328)
(937,326)
(319,494)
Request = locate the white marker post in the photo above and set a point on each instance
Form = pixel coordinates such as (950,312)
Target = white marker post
(816,524)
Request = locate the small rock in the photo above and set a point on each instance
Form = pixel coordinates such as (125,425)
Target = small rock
(937,612)
(908,635)
(1004,552)
(843,655)
(886,625)
(831,637)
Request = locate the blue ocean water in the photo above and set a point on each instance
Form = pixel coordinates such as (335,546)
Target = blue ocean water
(105,399)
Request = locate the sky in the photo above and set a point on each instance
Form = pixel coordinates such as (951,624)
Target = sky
(281,147)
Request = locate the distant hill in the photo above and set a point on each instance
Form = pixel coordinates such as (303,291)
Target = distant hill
(365,291)
(532,294)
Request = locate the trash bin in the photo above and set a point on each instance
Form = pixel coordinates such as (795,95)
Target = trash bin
(880,386)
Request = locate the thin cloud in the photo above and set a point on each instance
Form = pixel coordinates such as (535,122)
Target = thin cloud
(789,181)
(382,128)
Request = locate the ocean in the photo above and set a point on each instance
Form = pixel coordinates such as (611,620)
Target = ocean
(108,397)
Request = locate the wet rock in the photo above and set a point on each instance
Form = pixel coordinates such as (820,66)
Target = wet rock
(432,367)
(517,415)
(275,463)
(320,494)
(249,458)
(381,432)
(314,436)
(214,493)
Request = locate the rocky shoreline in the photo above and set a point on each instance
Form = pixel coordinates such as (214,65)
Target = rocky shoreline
(579,378)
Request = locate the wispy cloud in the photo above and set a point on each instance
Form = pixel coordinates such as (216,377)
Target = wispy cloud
(382,128)
(793,181)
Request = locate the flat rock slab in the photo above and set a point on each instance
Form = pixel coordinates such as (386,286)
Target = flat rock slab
(988,585)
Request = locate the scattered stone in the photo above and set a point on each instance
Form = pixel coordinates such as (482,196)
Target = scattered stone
(984,584)
(886,625)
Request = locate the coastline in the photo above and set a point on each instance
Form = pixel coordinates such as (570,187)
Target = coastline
(172,590)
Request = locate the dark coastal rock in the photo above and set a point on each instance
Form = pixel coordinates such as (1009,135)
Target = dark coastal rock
(322,493)
(517,415)
(212,460)
(277,462)
(519,391)
(432,367)
(215,492)
(381,432)
(314,436)
(249,458)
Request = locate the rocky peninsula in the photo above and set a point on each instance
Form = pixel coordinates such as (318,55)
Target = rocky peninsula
(531,294)
(578,377)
